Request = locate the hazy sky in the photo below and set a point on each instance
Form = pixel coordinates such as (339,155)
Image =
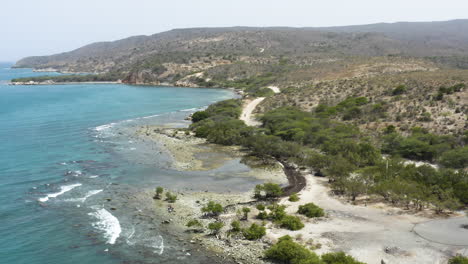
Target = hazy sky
(42,27)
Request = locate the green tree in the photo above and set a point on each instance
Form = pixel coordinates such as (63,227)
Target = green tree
(215,227)
(159,191)
(246,212)
(212,209)
(456,158)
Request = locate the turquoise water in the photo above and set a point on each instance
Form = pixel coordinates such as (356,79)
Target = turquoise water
(64,148)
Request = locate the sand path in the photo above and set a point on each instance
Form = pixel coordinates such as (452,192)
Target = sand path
(250,105)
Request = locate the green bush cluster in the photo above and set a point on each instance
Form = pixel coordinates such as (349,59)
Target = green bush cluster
(212,209)
(289,252)
(267,191)
(291,222)
(422,145)
(311,210)
(449,90)
(254,232)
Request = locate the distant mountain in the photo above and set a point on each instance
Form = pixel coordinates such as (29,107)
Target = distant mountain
(184,46)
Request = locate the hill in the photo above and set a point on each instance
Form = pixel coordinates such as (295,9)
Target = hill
(182,46)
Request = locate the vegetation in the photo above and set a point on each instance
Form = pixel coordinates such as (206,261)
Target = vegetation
(172,198)
(458,260)
(289,252)
(267,191)
(291,222)
(311,210)
(351,159)
(235,227)
(108,77)
(215,227)
(254,232)
(246,212)
(159,191)
(195,225)
(400,89)
(212,209)
(338,258)
(294,197)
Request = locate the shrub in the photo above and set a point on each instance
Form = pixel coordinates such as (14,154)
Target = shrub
(339,258)
(254,232)
(456,158)
(171,197)
(262,215)
(311,210)
(294,197)
(400,89)
(235,226)
(289,252)
(212,209)
(277,212)
(215,227)
(199,116)
(291,222)
(458,260)
(260,207)
(193,222)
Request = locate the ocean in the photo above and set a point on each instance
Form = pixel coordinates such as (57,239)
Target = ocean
(66,151)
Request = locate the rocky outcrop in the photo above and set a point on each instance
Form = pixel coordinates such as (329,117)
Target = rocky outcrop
(142,77)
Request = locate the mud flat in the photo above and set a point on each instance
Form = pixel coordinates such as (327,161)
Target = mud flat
(190,153)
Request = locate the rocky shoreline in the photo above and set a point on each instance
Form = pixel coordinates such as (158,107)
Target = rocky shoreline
(186,151)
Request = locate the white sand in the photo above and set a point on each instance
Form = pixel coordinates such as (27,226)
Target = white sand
(250,105)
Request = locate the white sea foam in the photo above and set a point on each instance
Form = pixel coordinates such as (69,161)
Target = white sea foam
(104,127)
(145,117)
(160,247)
(108,224)
(188,110)
(83,199)
(93,176)
(63,189)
